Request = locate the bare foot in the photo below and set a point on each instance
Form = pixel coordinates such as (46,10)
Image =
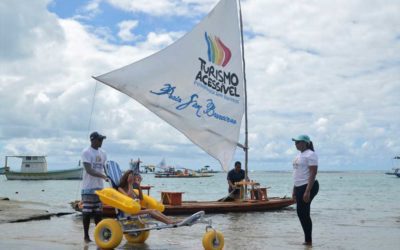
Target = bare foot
(176,221)
(172,222)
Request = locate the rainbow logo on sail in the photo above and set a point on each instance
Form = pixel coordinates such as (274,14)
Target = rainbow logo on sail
(217,51)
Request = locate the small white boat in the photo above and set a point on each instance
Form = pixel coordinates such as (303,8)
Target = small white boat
(35,168)
(396,168)
(395,171)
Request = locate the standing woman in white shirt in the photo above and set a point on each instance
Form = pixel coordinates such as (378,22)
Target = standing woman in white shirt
(306,187)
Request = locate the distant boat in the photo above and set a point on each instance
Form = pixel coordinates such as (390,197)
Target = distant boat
(144,169)
(35,168)
(148,169)
(171,172)
(396,169)
(207,170)
(3,170)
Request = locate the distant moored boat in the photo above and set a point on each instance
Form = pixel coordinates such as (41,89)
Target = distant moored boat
(207,170)
(35,168)
(396,169)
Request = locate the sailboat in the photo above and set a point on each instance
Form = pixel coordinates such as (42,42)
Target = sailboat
(198,86)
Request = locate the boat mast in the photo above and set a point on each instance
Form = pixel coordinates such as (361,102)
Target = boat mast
(246,142)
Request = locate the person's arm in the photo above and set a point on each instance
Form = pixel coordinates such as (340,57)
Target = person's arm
(230,183)
(129,193)
(121,190)
(136,185)
(311,180)
(140,193)
(93,172)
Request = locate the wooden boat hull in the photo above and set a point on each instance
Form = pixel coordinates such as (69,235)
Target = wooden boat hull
(213,207)
(217,207)
(70,174)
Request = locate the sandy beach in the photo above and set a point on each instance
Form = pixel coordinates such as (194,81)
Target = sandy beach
(30,225)
(13,211)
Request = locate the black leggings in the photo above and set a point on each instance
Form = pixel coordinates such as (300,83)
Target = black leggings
(303,209)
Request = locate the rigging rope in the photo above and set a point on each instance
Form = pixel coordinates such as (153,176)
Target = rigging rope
(88,131)
(91,111)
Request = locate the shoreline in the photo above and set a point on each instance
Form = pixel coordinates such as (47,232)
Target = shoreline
(13,211)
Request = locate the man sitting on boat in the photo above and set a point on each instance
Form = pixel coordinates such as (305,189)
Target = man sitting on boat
(235,175)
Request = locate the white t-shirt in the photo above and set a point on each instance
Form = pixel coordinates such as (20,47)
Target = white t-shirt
(301,170)
(97,159)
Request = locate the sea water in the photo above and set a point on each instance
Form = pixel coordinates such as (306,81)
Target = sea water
(353,210)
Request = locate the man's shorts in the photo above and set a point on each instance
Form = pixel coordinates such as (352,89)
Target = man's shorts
(91,204)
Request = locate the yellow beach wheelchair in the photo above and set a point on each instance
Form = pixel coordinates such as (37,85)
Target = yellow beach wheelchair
(136,228)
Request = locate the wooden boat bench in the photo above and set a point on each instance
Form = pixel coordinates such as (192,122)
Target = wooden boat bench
(171,198)
(259,193)
(256,192)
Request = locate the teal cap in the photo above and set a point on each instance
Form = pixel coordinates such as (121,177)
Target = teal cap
(305,138)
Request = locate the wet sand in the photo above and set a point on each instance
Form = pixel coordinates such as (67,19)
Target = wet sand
(30,225)
(12,211)
(66,232)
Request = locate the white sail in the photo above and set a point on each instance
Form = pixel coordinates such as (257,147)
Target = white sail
(195,84)
(162,164)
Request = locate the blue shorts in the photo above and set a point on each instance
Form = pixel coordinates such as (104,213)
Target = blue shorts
(91,204)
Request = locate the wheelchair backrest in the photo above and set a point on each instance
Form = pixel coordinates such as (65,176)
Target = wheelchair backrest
(113,172)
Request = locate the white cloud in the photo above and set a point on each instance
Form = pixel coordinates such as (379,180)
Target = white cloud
(20,31)
(41,98)
(88,11)
(125,30)
(158,41)
(165,7)
(278,65)
(321,124)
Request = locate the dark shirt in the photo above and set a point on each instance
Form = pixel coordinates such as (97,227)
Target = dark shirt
(234,176)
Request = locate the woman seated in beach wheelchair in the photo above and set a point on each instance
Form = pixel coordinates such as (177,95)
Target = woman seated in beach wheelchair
(138,213)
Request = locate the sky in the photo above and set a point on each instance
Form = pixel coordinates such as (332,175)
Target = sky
(328,69)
